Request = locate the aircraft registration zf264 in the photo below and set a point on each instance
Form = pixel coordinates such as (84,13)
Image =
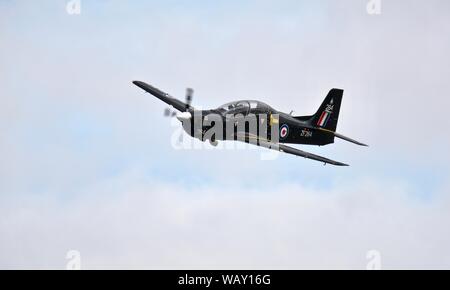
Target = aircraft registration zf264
(250,121)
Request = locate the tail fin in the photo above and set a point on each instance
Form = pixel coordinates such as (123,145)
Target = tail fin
(326,118)
(328,114)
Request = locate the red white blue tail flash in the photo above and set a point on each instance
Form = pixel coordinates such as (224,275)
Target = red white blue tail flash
(325,115)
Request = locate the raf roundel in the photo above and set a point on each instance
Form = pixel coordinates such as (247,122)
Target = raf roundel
(284,131)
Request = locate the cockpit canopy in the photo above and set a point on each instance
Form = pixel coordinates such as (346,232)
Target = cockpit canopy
(244,107)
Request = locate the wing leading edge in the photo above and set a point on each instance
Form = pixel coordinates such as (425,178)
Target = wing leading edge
(165,97)
(295,151)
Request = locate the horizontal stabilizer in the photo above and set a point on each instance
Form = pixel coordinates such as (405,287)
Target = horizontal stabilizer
(343,137)
(349,140)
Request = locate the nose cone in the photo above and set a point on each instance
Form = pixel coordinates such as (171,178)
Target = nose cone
(184,116)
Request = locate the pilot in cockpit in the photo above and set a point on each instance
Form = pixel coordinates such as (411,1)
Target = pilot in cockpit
(244,108)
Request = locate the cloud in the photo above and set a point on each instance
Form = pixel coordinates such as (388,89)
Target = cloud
(131,222)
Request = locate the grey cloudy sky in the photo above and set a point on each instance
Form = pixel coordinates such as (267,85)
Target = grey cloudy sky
(87,163)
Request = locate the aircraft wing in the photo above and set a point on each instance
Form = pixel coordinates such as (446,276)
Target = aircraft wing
(290,150)
(295,151)
(165,97)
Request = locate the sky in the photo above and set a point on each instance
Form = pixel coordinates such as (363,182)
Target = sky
(87,163)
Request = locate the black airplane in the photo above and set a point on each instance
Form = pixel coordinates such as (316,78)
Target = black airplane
(318,129)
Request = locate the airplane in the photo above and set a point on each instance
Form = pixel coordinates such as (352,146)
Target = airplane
(318,129)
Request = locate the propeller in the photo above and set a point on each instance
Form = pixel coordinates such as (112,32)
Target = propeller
(189,95)
(181,116)
(168,112)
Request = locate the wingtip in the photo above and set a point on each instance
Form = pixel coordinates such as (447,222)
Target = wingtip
(143,85)
(341,164)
